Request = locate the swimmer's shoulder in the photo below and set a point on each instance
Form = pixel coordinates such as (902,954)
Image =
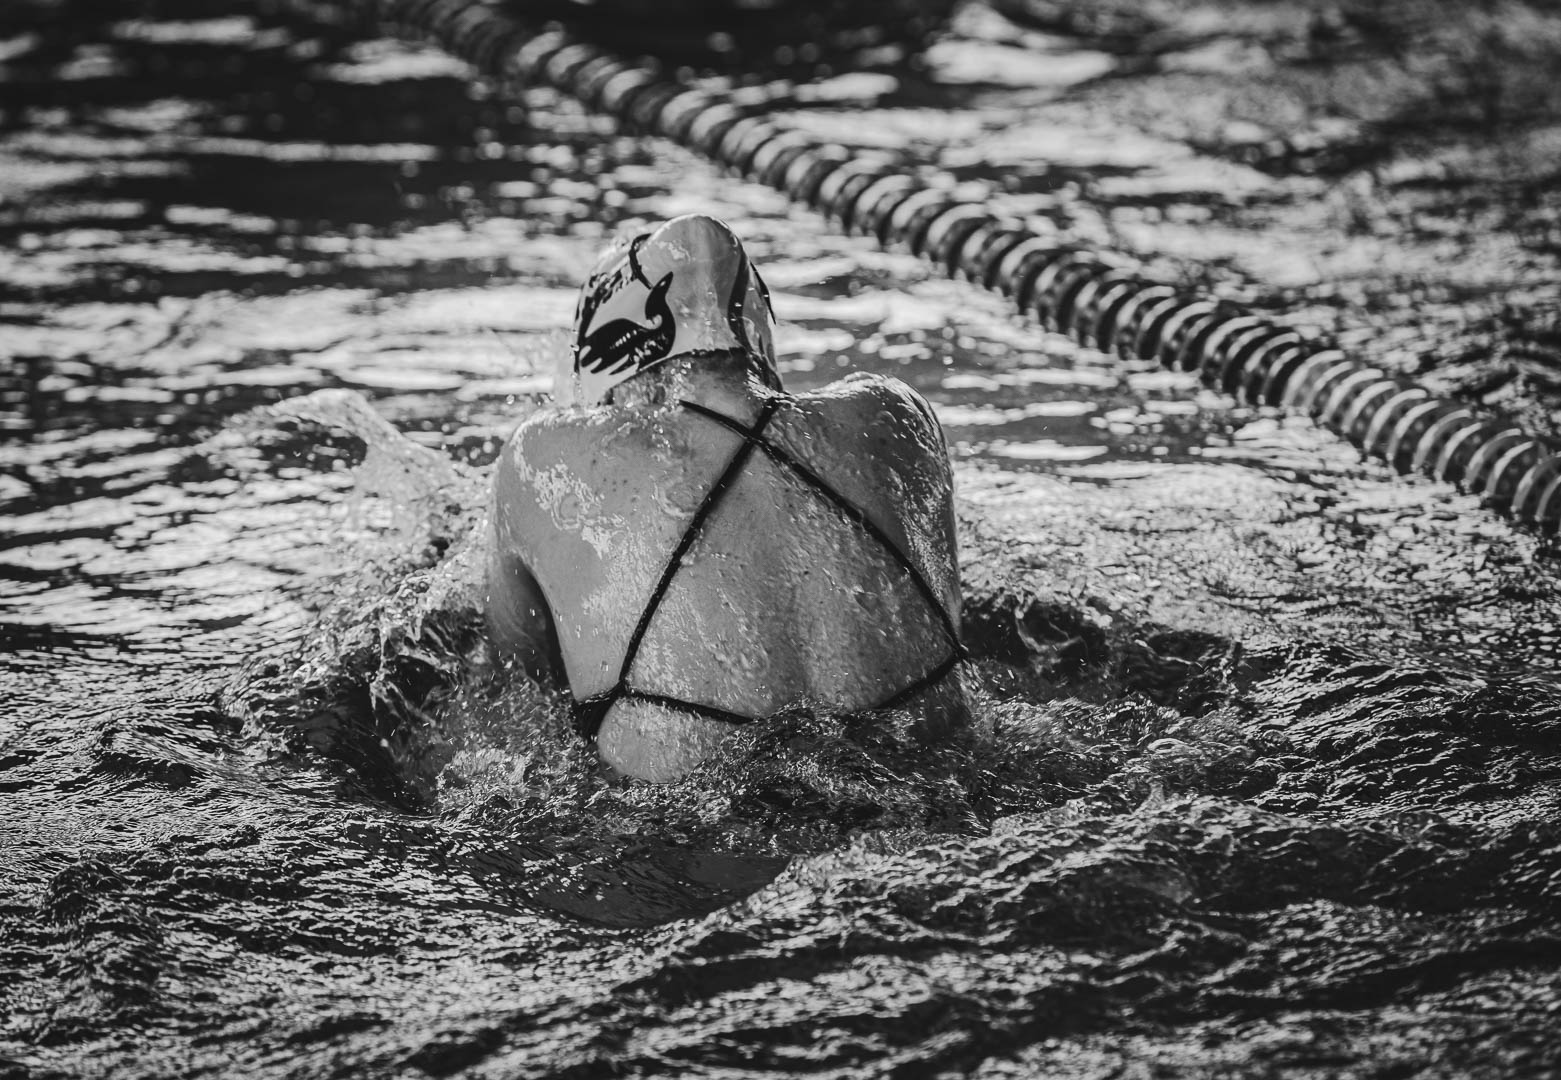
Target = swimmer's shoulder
(877,409)
(882,408)
(869,390)
(551,447)
(556,434)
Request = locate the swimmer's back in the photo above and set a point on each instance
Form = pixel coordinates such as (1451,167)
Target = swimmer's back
(780,598)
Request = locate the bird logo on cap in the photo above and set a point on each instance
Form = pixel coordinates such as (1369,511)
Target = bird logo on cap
(687,287)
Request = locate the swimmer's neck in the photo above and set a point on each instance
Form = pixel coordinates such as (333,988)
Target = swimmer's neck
(713,379)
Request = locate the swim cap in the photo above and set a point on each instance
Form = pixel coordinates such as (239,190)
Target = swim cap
(687,287)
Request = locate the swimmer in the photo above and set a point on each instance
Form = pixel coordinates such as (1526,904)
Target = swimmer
(690,547)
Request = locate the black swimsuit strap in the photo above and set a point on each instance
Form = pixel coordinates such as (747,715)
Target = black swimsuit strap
(712,499)
(590,713)
(852,513)
(709,712)
(955,657)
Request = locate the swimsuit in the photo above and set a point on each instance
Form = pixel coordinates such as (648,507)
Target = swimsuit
(590,713)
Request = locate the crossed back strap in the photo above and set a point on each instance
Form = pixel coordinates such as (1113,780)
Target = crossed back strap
(592,711)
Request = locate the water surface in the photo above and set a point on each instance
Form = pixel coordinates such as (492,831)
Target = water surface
(1267,773)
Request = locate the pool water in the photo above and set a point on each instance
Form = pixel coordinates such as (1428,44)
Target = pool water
(1268,761)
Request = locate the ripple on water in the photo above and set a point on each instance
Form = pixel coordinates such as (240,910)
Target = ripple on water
(1266,770)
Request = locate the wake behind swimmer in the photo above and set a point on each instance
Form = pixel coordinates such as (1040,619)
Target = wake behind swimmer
(689,547)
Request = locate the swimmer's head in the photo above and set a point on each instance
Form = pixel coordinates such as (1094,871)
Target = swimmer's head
(684,288)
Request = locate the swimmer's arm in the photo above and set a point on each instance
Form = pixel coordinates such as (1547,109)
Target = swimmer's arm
(520,624)
(913,410)
(520,628)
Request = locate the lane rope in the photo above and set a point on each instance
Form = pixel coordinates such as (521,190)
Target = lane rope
(1086,295)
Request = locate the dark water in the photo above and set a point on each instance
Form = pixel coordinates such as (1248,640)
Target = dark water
(1267,776)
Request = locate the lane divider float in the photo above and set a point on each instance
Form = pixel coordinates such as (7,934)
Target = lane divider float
(1087,295)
